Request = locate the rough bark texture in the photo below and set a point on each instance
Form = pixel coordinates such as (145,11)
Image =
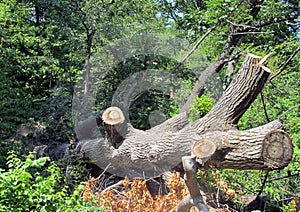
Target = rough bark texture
(152,152)
(237,97)
(264,147)
(115,126)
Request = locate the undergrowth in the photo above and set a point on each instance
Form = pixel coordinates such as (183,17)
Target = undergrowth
(135,196)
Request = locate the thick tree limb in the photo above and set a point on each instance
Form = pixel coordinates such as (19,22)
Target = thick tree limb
(146,155)
(211,141)
(257,148)
(237,98)
(115,126)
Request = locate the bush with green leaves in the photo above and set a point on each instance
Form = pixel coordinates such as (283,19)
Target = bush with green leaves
(201,106)
(30,186)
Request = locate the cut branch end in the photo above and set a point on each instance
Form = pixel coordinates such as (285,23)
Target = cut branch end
(204,148)
(113,116)
(277,149)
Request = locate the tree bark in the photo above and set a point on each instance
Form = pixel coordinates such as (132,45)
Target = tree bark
(261,148)
(152,152)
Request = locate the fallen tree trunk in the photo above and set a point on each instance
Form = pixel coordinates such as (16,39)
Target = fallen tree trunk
(150,153)
(211,141)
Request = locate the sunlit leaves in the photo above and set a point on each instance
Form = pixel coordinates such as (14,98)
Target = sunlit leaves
(25,186)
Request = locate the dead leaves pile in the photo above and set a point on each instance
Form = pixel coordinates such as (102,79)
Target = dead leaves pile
(134,196)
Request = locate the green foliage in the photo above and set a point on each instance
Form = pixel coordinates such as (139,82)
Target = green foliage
(35,57)
(279,185)
(25,186)
(201,106)
(192,19)
(56,117)
(12,95)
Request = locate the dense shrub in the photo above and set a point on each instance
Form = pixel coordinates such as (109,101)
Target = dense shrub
(201,106)
(30,186)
